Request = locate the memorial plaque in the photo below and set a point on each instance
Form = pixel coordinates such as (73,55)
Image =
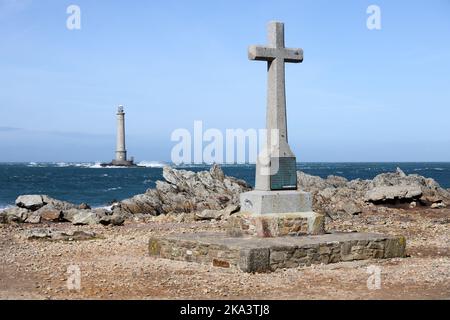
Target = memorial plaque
(285,178)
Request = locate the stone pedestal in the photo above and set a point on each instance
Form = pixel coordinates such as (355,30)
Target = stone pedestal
(272,202)
(276,225)
(275,214)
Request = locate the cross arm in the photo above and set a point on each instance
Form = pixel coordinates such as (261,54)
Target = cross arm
(293,55)
(262,53)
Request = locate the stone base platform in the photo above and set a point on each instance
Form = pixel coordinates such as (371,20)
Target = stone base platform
(268,254)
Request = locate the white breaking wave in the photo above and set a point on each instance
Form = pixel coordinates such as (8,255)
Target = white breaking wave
(96,165)
(3,208)
(113,189)
(62,164)
(109,208)
(151,164)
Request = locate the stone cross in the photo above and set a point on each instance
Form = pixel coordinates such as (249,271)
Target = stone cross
(276,166)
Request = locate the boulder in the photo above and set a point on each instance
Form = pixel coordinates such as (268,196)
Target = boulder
(15,214)
(30,202)
(84,217)
(52,235)
(438,205)
(401,192)
(33,218)
(35,202)
(49,213)
(223,214)
(84,206)
(114,220)
(208,214)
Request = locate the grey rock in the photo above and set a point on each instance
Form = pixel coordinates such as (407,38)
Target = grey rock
(336,197)
(208,214)
(438,205)
(254,260)
(33,218)
(35,202)
(84,206)
(49,213)
(83,217)
(3,218)
(186,191)
(114,220)
(30,202)
(402,192)
(52,235)
(16,214)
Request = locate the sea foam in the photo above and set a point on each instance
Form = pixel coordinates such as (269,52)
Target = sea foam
(151,164)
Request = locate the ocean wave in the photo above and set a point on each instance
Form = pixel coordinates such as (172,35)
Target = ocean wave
(5,207)
(62,164)
(152,164)
(113,189)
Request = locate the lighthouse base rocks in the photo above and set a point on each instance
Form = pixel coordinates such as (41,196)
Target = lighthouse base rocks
(120,163)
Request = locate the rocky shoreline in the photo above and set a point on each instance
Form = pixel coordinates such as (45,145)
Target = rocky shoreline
(42,237)
(211,195)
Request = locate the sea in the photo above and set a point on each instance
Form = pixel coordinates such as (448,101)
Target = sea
(99,187)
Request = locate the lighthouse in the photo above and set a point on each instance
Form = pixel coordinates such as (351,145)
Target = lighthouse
(121,152)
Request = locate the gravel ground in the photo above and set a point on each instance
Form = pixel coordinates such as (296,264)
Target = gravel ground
(117,266)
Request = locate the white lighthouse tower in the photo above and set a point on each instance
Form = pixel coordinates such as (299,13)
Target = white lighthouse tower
(121,152)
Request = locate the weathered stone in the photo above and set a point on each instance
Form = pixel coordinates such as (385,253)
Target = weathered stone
(84,206)
(438,205)
(186,191)
(33,218)
(49,234)
(254,260)
(276,225)
(338,197)
(16,214)
(395,247)
(224,214)
(49,213)
(30,202)
(393,193)
(114,220)
(269,254)
(81,217)
(273,202)
(208,215)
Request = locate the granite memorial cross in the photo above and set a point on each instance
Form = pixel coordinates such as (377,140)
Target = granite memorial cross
(276,199)
(276,166)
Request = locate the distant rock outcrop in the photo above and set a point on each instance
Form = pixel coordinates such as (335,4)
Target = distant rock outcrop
(336,196)
(213,196)
(41,208)
(186,191)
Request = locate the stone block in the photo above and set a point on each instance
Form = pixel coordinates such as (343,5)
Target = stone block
(272,202)
(395,247)
(254,260)
(276,225)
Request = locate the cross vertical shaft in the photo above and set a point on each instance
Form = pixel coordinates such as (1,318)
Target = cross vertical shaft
(276,168)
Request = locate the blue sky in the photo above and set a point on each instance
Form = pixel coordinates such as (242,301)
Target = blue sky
(359,95)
